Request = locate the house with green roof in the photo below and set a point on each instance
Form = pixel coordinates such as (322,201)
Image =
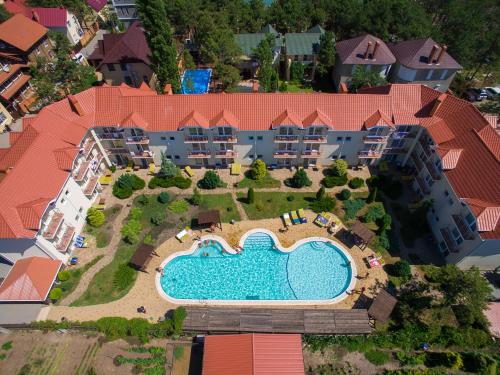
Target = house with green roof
(248,43)
(303,48)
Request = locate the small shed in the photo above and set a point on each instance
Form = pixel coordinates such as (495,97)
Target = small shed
(382,306)
(209,218)
(142,256)
(362,235)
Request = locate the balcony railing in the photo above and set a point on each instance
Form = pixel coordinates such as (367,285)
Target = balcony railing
(417,162)
(117,150)
(81,171)
(423,185)
(315,139)
(195,139)
(91,185)
(433,170)
(66,239)
(53,226)
(463,227)
(225,139)
(138,140)
(403,135)
(110,136)
(369,154)
(142,155)
(87,147)
(445,232)
(226,154)
(286,138)
(310,154)
(395,151)
(285,154)
(425,147)
(377,139)
(200,154)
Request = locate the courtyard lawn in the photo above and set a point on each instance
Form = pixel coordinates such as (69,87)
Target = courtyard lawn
(295,87)
(266,182)
(222,202)
(103,234)
(273,204)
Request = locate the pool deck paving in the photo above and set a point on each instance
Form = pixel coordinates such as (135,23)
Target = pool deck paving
(144,292)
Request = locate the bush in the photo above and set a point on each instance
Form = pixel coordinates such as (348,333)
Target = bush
(339,168)
(63,275)
(297,72)
(377,357)
(143,199)
(251,196)
(178,352)
(178,317)
(450,360)
(158,219)
(7,345)
(356,183)
(181,182)
(324,204)
(113,327)
(402,269)
(345,194)
(299,179)
(351,207)
(139,327)
(167,168)
(332,181)
(112,169)
(135,213)
(123,276)
(95,217)
(55,294)
(375,212)
(384,223)
(410,359)
(179,206)
(163,197)
(258,170)
(126,184)
(290,198)
(320,193)
(148,239)
(177,181)
(479,363)
(196,198)
(131,230)
(210,180)
(373,195)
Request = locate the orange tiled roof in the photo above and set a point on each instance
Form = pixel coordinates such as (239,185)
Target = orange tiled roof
(21,32)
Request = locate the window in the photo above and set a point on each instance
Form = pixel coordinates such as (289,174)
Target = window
(450,201)
(457,237)
(123,67)
(66,192)
(251,138)
(177,157)
(80,210)
(260,138)
(339,139)
(348,139)
(446,193)
(110,67)
(169,157)
(163,138)
(63,201)
(471,221)
(145,79)
(172,138)
(343,157)
(259,156)
(442,246)
(443,74)
(429,74)
(334,157)
(128,80)
(77,217)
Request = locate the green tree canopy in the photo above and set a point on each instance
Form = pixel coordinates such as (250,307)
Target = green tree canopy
(267,74)
(258,170)
(326,55)
(167,168)
(362,77)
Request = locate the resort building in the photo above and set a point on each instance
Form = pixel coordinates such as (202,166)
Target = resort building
(423,61)
(124,58)
(366,51)
(126,11)
(446,140)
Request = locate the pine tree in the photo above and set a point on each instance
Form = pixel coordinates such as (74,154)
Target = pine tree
(326,56)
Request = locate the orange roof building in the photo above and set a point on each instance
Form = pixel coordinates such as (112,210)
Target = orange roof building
(253,354)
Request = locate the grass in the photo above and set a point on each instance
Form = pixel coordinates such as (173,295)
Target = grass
(103,234)
(377,357)
(7,345)
(222,202)
(266,182)
(296,87)
(75,275)
(273,204)
(179,206)
(178,352)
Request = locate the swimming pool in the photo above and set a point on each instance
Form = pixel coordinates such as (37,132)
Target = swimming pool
(314,270)
(196,81)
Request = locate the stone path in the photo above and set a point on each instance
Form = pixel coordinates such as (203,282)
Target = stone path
(241,210)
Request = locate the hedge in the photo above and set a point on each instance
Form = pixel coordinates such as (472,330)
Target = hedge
(332,181)
(177,181)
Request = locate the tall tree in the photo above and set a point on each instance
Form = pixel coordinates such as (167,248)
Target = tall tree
(362,77)
(4,15)
(326,55)
(159,36)
(268,77)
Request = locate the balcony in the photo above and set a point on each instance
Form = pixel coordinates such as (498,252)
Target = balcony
(403,135)
(422,185)
(425,147)
(199,154)
(445,232)
(433,170)
(195,139)
(375,139)
(91,186)
(117,150)
(315,139)
(417,162)
(463,227)
(66,239)
(369,154)
(285,154)
(395,151)
(142,155)
(226,154)
(110,136)
(139,140)
(53,226)
(225,139)
(87,147)
(286,139)
(79,175)
(306,154)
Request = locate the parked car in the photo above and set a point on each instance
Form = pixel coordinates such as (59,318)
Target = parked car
(475,95)
(492,92)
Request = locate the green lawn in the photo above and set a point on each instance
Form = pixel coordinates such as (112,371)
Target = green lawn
(266,182)
(295,87)
(222,202)
(273,204)
(103,234)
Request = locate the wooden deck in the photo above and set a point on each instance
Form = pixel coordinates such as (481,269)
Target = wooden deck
(211,319)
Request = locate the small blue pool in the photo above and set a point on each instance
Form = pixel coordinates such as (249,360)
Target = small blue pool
(315,270)
(196,81)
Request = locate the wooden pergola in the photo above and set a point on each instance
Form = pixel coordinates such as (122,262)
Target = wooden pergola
(142,257)
(362,235)
(382,306)
(209,218)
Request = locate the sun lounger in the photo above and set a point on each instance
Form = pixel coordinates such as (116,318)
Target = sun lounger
(302,215)
(235,169)
(321,220)
(184,234)
(295,217)
(105,180)
(189,171)
(151,168)
(286,219)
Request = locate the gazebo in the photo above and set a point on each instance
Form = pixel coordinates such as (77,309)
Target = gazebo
(142,256)
(382,306)
(209,218)
(362,235)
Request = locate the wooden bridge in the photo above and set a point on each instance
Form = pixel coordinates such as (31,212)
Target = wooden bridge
(325,322)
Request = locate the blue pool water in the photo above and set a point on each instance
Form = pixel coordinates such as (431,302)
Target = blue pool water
(199,79)
(315,270)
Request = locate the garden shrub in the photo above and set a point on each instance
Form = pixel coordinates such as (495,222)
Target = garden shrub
(332,181)
(373,195)
(135,213)
(55,294)
(210,180)
(290,198)
(381,242)
(167,168)
(138,327)
(258,170)
(113,327)
(410,359)
(95,217)
(179,206)
(63,275)
(297,72)
(299,179)
(345,194)
(130,231)
(7,345)
(112,169)
(377,357)
(351,207)
(339,168)
(148,239)
(143,199)
(320,193)
(325,204)
(123,276)
(356,183)
(126,184)
(259,206)
(384,222)
(181,182)
(251,196)
(450,360)
(158,219)
(196,198)
(177,181)
(402,269)
(163,197)
(178,317)
(375,212)
(479,363)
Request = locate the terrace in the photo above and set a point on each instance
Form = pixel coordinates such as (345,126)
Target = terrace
(195,139)
(286,138)
(369,154)
(375,139)
(450,244)
(315,139)
(285,154)
(137,140)
(142,155)
(199,154)
(433,170)
(224,139)
(81,171)
(91,185)
(226,154)
(66,239)
(462,226)
(53,225)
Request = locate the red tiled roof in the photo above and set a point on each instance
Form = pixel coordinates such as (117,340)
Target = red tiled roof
(487,214)
(224,118)
(30,279)
(449,157)
(97,5)
(378,118)
(17,7)
(253,354)
(352,51)
(21,32)
(493,120)
(287,117)
(51,17)
(317,118)
(492,314)
(134,119)
(13,68)
(31,213)
(15,87)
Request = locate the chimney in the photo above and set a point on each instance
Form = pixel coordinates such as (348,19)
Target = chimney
(75,105)
(35,16)
(441,54)
(255,86)
(430,59)
(343,88)
(440,99)
(375,48)
(368,46)
(167,90)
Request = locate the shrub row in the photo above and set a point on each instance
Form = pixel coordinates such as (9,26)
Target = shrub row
(177,181)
